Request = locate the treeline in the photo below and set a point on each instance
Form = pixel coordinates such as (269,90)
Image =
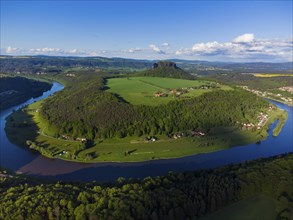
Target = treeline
(15,90)
(88,111)
(258,83)
(185,195)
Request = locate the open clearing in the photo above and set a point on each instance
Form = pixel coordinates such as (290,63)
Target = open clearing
(141,90)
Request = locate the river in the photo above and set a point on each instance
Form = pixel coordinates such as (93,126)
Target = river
(30,162)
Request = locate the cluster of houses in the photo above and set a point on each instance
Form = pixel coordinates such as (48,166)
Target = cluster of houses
(267,94)
(287,88)
(160,94)
(62,153)
(198,133)
(176,92)
(66,137)
(150,139)
(41,73)
(262,120)
(192,133)
(180,91)
(70,74)
(178,136)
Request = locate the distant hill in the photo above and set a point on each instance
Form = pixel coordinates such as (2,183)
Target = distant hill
(15,90)
(166,69)
(56,64)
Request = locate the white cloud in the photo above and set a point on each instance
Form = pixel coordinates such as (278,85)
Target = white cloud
(244,46)
(132,50)
(46,50)
(156,49)
(73,51)
(10,49)
(245,38)
(93,53)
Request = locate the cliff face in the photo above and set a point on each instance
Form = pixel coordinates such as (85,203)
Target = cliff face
(166,69)
(165,64)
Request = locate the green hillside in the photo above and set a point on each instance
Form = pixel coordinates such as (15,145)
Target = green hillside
(15,90)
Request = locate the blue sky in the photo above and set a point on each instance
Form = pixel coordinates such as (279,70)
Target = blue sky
(209,30)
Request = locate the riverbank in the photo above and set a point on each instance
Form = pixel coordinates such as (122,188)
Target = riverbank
(15,89)
(282,119)
(24,127)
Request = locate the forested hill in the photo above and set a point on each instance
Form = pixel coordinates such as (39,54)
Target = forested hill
(54,64)
(166,69)
(15,90)
(88,111)
(57,64)
(188,195)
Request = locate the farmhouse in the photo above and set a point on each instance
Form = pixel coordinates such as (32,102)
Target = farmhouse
(173,91)
(159,94)
(148,139)
(198,133)
(81,139)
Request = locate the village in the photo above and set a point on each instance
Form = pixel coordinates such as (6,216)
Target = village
(178,135)
(287,100)
(66,137)
(180,91)
(262,119)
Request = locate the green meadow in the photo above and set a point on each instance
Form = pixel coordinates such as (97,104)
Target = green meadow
(141,90)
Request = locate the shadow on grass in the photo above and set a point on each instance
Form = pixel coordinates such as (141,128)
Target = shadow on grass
(21,127)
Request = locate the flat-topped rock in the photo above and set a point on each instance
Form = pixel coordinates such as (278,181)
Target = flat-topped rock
(165,64)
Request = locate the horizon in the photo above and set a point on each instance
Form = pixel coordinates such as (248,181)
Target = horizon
(138,59)
(207,31)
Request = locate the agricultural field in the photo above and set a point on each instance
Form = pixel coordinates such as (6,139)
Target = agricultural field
(272,74)
(142,90)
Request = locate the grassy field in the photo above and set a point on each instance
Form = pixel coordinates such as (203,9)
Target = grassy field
(256,208)
(26,125)
(141,90)
(272,74)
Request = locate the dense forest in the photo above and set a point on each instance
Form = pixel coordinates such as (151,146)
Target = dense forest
(86,110)
(259,83)
(186,195)
(15,90)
